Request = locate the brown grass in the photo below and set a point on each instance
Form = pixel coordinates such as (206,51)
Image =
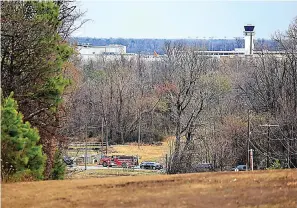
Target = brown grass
(102,173)
(263,189)
(146,152)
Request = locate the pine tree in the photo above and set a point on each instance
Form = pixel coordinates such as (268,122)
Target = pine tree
(59,167)
(20,154)
(33,54)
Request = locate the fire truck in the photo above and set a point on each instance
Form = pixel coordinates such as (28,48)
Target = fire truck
(124,161)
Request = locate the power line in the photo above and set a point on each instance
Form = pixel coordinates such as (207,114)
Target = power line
(268,141)
(271,150)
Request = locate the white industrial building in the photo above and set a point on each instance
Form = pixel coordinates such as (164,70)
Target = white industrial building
(89,52)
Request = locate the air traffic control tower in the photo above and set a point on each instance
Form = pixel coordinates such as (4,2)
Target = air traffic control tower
(249,39)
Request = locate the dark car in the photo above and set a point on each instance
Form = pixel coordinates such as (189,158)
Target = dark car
(68,161)
(151,165)
(203,167)
(239,168)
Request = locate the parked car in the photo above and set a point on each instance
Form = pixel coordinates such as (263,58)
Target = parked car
(151,165)
(239,168)
(203,167)
(68,161)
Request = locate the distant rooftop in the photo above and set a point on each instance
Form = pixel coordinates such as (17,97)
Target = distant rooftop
(92,46)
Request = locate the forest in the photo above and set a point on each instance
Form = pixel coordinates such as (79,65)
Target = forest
(216,109)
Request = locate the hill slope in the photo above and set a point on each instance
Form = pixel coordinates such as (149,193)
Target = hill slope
(225,189)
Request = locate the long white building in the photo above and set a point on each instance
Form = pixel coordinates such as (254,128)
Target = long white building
(87,51)
(90,52)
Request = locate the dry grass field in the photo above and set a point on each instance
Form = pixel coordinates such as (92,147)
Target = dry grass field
(261,189)
(146,152)
(103,173)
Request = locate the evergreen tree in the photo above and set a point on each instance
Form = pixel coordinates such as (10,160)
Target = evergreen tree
(33,57)
(20,154)
(59,167)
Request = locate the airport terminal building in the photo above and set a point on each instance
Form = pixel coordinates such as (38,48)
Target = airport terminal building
(89,52)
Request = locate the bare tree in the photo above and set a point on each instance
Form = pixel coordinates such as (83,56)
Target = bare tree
(271,88)
(187,78)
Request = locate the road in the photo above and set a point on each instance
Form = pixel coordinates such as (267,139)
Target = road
(100,167)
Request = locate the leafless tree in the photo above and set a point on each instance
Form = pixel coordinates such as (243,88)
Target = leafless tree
(271,88)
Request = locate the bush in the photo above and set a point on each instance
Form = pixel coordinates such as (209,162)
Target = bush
(26,175)
(21,156)
(275,165)
(59,167)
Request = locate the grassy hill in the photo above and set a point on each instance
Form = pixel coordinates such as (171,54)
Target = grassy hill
(261,189)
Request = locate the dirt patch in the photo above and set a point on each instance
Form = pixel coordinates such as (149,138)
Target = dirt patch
(264,189)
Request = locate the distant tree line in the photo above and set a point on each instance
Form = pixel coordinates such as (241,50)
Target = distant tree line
(148,46)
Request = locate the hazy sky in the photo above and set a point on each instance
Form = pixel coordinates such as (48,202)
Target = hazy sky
(184,19)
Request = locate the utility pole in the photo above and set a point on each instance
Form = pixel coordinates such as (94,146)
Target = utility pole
(213,136)
(141,89)
(86,151)
(102,134)
(288,156)
(107,133)
(249,139)
(288,146)
(86,124)
(251,159)
(106,143)
(268,147)
(268,142)
(139,137)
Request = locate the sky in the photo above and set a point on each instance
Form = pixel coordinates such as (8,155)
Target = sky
(184,19)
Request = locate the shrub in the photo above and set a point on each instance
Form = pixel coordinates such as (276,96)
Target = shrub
(275,165)
(59,167)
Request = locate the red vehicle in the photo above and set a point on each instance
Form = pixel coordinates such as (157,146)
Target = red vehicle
(119,160)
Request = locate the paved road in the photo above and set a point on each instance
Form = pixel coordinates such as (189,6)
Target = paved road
(99,167)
